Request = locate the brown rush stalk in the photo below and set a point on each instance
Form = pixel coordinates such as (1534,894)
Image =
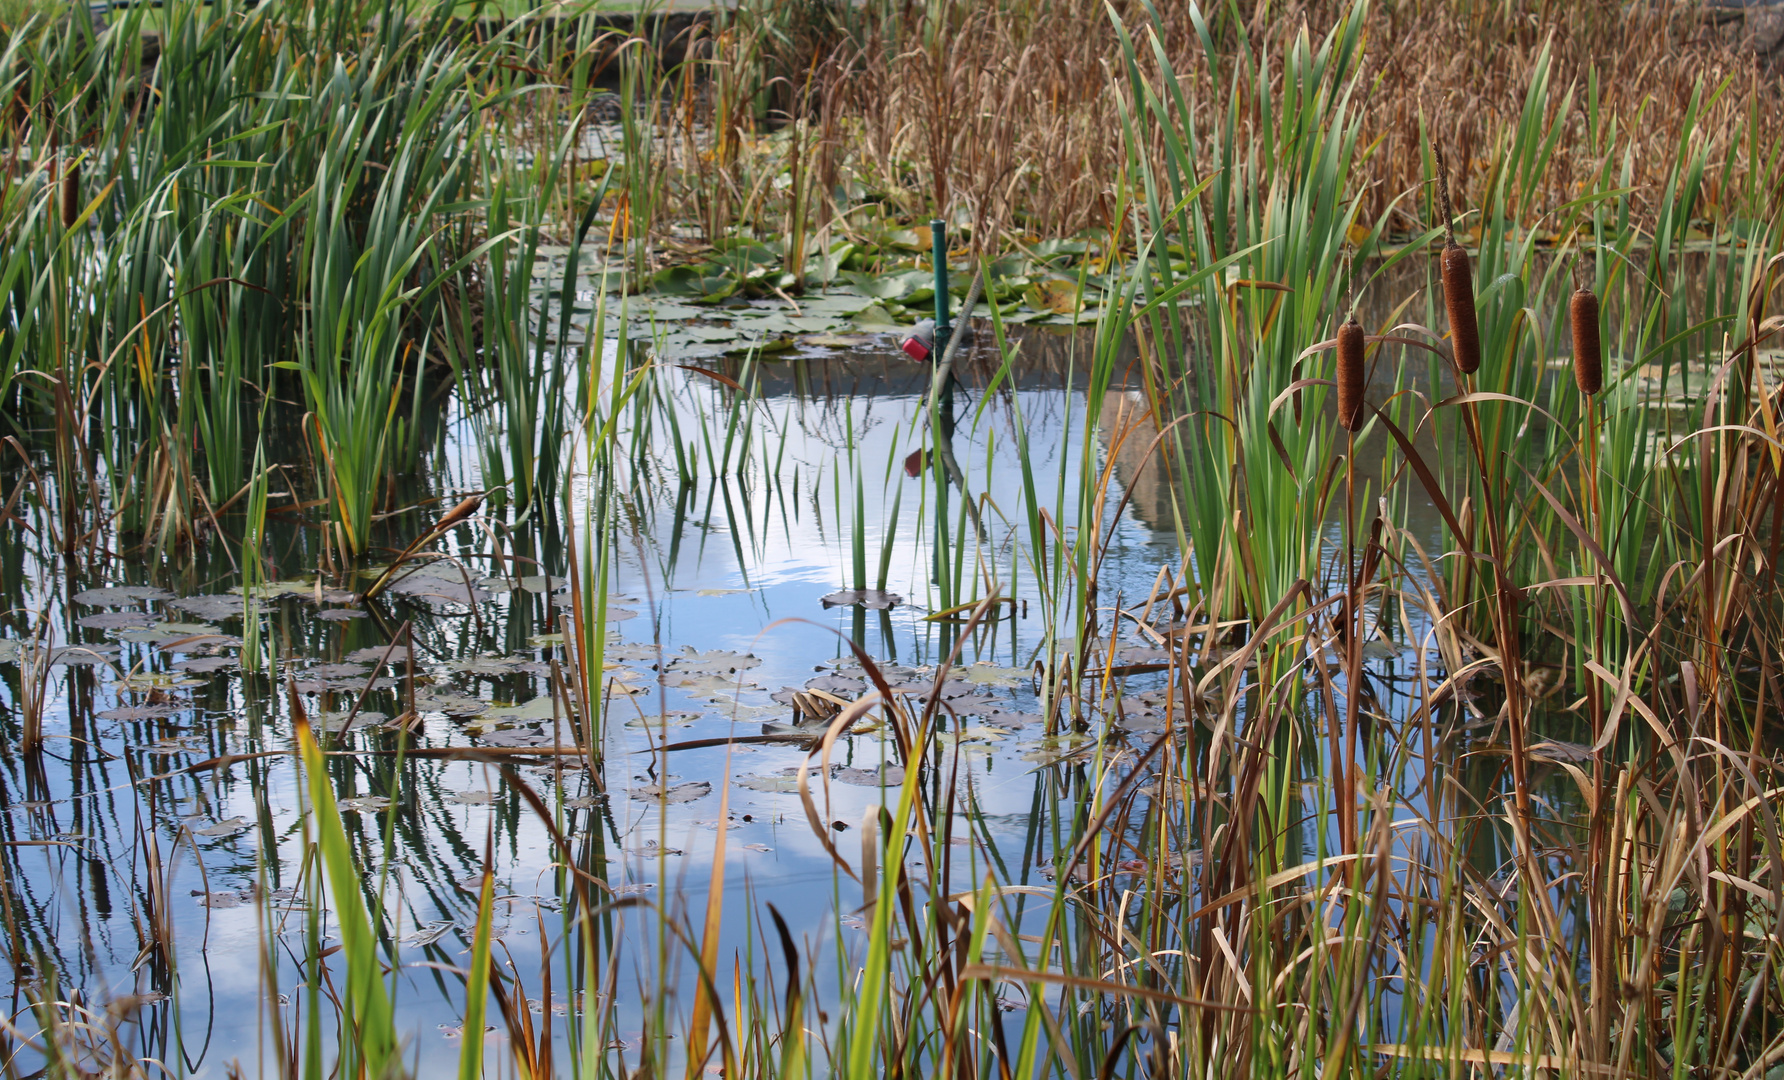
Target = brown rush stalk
(1458,301)
(1458,283)
(71,193)
(1351,349)
(1588,376)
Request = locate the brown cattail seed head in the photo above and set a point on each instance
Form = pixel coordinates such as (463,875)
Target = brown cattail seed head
(1588,362)
(1458,299)
(460,512)
(71,193)
(1350,375)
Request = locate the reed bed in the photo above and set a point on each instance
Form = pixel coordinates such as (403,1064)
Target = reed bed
(1006,112)
(1498,797)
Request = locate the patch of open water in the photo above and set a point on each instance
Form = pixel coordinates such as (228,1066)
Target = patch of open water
(718,627)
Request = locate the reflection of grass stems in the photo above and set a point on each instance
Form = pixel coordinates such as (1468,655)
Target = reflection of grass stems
(253,574)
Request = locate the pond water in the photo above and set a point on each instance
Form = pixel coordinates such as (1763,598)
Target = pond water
(167,796)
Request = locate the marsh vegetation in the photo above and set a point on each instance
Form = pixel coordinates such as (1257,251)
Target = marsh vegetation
(483,589)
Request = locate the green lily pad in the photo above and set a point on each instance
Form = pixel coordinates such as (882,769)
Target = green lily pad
(827,266)
(904,286)
(534,711)
(678,793)
(667,311)
(766,347)
(704,283)
(167,631)
(877,319)
(835,303)
(992,675)
(837,341)
(785,782)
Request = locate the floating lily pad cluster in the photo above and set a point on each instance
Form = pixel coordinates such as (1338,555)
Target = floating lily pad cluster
(739,297)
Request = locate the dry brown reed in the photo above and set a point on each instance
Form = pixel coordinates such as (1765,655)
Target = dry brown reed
(1005,116)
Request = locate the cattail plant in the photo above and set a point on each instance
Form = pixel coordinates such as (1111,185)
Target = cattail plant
(1350,374)
(1458,283)
(1588,361)
(71,193)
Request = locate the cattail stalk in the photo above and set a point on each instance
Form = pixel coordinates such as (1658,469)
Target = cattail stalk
(71,193)
(1458,283)
(1350,374)
(1588,375)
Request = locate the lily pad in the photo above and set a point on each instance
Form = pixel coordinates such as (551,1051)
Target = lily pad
(518,738)
(767,346)
(837,341)
(659,721)
(785,782)
(450,704)
(486,665)
(338,671)
(219,606)
(204,665)
(337,720)
(706,685)
(975,706)
(884,776)
(115,620)
(82,655)
(118,595)
(376,654)
(427,935)
(992,675)
(223,828)
(837,684)
(871,599)
(532,712)
(1056,748)
(132,714)
(714,661)
(737,712)
(709,284)
(835,304)
(678,793)
(168,631)
(903,286)
(142,682)
(440,590)
(877,319)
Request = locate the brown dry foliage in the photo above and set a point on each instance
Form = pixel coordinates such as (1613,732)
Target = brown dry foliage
(1020,100)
